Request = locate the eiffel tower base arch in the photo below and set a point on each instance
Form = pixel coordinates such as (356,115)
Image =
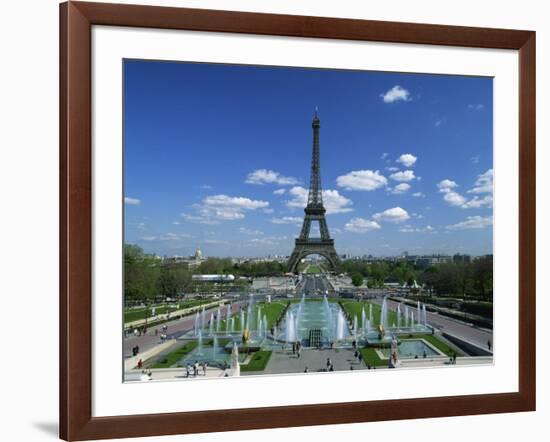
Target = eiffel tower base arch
(305,248)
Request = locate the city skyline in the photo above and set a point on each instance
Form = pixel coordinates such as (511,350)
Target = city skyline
(218,156)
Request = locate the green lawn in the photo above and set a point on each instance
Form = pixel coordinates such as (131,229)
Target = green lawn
(355,308)
(272,312)
(258,362)
(173,357)
(314,268)
(371,357)
(440,345)
(135,314)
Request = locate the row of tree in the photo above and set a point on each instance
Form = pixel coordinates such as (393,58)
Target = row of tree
(473,278)
(147,277)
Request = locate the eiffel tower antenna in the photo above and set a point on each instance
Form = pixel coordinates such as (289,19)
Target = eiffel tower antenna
(314,211)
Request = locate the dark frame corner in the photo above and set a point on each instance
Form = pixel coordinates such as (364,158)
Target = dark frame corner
(76,20)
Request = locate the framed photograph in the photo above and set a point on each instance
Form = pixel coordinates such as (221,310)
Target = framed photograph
(272,220)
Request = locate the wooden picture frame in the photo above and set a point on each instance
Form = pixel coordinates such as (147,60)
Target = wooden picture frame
(76,21)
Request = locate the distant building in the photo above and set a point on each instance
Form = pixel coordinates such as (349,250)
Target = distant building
(191,261)
(465,259)
(213,278)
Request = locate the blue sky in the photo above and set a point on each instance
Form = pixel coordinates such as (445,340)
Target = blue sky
(218,156)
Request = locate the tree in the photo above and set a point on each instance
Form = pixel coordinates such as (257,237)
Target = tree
(357,279)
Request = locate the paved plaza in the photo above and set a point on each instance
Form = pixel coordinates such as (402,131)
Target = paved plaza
(315,360)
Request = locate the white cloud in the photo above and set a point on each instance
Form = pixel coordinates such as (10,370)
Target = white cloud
(263,176)
(396,93)
(132,201)
(454,198)
(406,175)
(477,107)
(401,188)
(287,220)
(268,210)
(472,222)
(362,180)
(393,215)
(476,202)
(384,155)
(419,195)
(392,169)
(170,236)
(206,186)
(261,242)
(410,229)
(250,232)
(361,225)
(407,159)
(332,200)
(238,202)
(484,183)
(215,241)
(198,219)
(217,208)
(279,192)
(446,185)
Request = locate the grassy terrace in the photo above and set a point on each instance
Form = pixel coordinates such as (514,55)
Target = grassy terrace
(371,358)
(173,357)
(314,268)
(355,308)
(135,314)
(258,362)
(440,345)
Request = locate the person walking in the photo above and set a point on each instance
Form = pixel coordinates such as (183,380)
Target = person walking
(204,367)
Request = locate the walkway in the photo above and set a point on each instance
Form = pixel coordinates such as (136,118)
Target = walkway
(175,330)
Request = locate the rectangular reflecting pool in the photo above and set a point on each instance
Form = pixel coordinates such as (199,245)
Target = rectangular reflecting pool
(412,348)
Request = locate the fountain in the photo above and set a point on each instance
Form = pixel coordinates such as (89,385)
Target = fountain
(215,348)
(355,327)
(242,323)
(211,327)
(398,315)
(203,317)
(384,313)
(290,327)
(340,324)
(363,322)
(197,324)
(424,316)
(418,312)
(235,366)
(407,317)
(199,344)
(218,319)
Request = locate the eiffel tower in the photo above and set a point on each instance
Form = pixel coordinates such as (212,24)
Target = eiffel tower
(314,211)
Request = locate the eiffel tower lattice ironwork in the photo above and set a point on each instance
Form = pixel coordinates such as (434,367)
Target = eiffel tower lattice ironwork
(314,211)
